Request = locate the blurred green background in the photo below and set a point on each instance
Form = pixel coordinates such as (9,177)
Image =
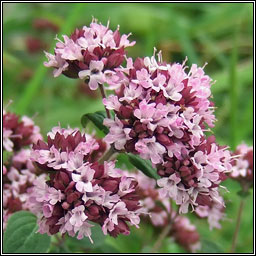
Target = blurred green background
(220,34)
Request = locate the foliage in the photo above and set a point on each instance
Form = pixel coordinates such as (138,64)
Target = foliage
(21,237)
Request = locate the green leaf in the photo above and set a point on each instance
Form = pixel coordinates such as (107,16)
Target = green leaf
(6,156)
(21,237)
(143,165)
(97,119)
(210,247)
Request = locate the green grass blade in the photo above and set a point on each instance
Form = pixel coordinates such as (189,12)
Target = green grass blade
(233,92)
(34,84)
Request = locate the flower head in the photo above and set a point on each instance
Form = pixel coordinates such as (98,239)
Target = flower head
(242,165)
(90,53)
(157,106)
(80,189)
(18,133)
(192,179)
(185,234)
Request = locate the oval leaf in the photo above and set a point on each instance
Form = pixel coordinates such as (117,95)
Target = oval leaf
(21,237)
(143,165)
(97,119)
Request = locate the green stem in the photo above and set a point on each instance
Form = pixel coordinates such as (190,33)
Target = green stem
(233,92)
(103,97)
(164,233)
(107,155)
(238,221)
(162,236)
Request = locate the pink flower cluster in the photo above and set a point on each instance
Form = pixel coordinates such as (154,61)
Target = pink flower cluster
(17,180)
(161,113)
(192,177)
(160,214)
(17,134)
(159,108)
(81,189)
(91,53)
(185,234)
(242,165)
(18,171)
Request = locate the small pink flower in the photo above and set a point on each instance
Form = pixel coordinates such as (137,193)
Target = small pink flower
(172,90)
(96,195)
(59,160)
(242,165)
(158,218)
(118,210)
(110,200)
(83,179)
(111,102)
(94,74)
(75,161)
(108,226)
(47,210)
(7,143)
(56,62)
(150,149)
(143,78)
(169,185)
(132,91)
(78,216)
(124,42)
(69,50)
(117,134)
(158,82)
(4,170)
(126,185)
(85,148)
(54,195)
(84,230)
(145,112)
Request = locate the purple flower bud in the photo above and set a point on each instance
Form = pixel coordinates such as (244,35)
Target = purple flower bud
(94,210)
(203,200)
(52,220)
(70,186)
(64,177)
(117,37)
(72,197)
(53,229)
(164,139)
(99,170)
(65,205)
(110,185)
(185,171)
(126,111)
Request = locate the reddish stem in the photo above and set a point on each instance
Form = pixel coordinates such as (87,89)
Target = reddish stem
(239,216)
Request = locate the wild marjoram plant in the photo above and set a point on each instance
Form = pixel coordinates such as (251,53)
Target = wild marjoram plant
(158,115)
